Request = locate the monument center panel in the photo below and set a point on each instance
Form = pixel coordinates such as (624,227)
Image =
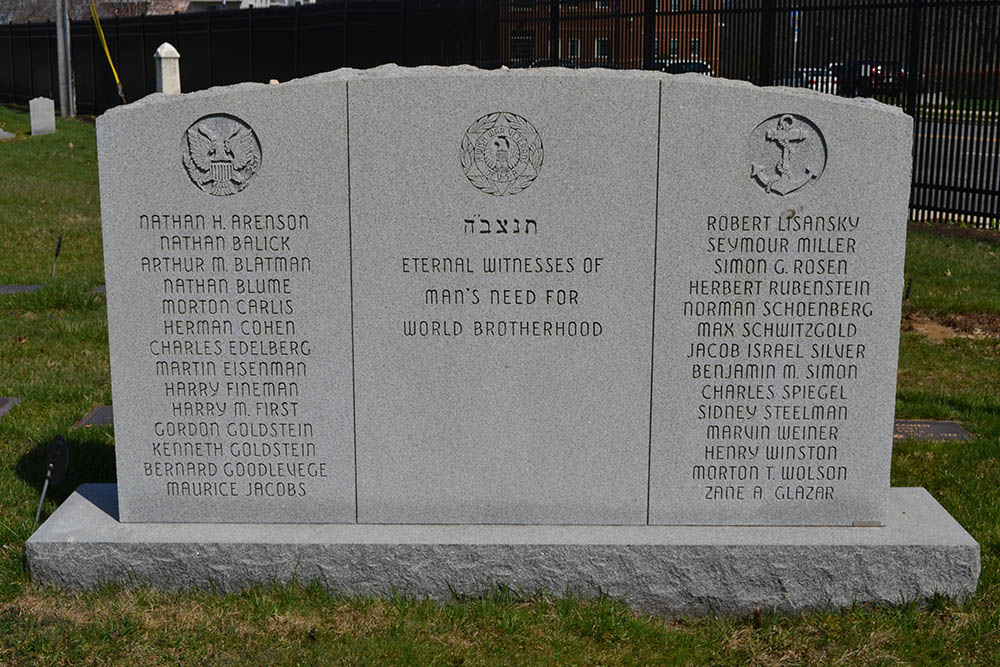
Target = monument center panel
(778,318)
(502,235)
(228,306)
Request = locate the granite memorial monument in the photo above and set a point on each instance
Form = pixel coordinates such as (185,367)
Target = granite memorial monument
(432,329)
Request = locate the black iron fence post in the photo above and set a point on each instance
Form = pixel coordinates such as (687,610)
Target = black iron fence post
(768,16)
(402,33)
(913,69)
(474,31)
(347,33)
(295,43)
(648,33)
(250,42)
(554,32)
(31,77)
(208,44)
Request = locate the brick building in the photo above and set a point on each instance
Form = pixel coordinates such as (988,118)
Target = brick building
(610,33)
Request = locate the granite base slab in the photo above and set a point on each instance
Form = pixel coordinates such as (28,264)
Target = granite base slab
(673,570)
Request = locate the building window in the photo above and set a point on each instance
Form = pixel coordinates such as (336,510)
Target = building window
(695,5)
(695,47)
(524,4)
(522,46)
(603,4)
(675,5)
(602,47)
(656,46)
(675,47)
(574,47)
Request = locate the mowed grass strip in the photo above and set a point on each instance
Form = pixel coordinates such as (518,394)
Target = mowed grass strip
(53,354)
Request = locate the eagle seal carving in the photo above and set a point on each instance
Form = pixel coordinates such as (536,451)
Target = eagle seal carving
(221,154)
(501,153)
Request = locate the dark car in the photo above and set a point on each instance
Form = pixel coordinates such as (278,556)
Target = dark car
(683,67)
(573,63)
(866,78)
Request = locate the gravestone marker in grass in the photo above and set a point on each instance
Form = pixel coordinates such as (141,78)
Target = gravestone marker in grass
(573,331)
(43,116)
(929,429)
(19,289)
(99,415)
(7,404)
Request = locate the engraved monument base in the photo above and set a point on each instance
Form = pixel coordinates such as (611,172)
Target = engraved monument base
(660,569)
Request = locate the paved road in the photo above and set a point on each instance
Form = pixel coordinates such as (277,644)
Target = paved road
(955,154)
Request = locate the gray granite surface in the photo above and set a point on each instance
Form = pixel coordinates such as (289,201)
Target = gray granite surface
(677,570)
(227,264)
(510,384)
(517,291)
(780,248)
(42,111)
(6,136)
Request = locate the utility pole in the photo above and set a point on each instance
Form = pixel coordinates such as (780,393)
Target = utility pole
(67,103)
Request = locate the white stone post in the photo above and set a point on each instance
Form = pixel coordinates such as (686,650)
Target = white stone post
(168,69)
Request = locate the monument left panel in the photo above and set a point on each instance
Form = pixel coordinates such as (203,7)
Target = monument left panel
(226,245)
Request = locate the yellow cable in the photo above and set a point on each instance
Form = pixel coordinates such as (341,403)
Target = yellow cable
(104,43)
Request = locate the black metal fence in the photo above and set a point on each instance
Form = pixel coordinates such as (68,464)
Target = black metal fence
(937,59)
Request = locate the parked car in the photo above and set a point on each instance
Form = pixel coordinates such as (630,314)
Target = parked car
(866,78)
(814,78)
(571,63)
(683,67)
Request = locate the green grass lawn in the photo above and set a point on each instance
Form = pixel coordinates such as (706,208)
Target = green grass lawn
(54,356)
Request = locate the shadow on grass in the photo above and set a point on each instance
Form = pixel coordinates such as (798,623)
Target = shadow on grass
(91,459)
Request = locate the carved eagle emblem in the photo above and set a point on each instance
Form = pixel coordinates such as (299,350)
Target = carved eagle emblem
(221,154)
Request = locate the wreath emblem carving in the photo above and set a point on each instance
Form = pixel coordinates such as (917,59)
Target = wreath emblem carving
(221,154)
(501,153)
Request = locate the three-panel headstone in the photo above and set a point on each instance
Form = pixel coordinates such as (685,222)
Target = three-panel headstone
(499,298)
(632,325)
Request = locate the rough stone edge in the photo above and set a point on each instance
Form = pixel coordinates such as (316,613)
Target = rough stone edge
(686,572)
(392,71)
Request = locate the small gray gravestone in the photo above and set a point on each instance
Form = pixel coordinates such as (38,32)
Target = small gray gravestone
(6,136)
(589,331)
(43,116)
(168,69)
(929,429)
(99,415)
(19,289)
(7,404)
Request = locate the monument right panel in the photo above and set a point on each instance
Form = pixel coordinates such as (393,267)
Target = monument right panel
(780,243)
